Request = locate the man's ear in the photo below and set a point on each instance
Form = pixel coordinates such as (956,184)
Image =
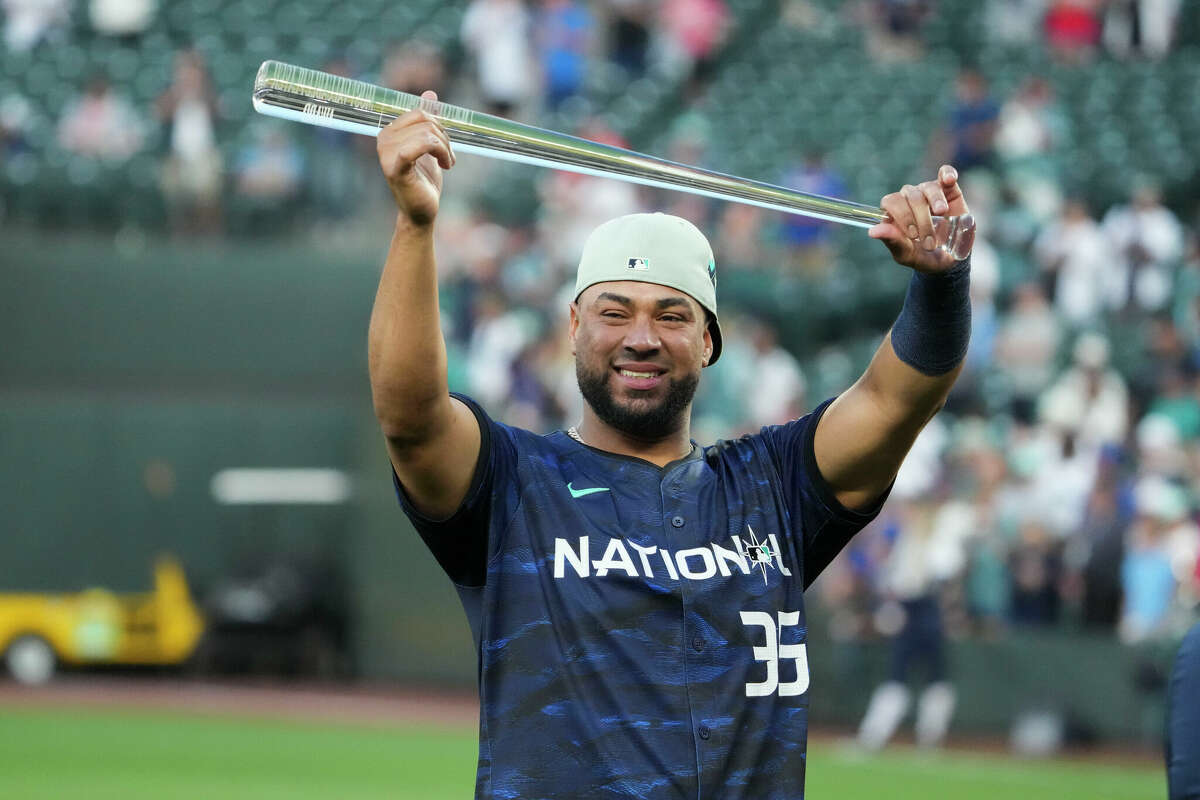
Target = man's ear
(708,345)
(573,326)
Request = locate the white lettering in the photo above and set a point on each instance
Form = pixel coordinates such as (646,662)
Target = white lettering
(563,552)
(768,652)
(778,555)
(695,564)
(772,651)
(615,557)
(666,557)
(726,556)
(704,554)
(796,652)
(644,552)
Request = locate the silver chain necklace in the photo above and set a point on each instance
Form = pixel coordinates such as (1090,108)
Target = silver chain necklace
(573,432)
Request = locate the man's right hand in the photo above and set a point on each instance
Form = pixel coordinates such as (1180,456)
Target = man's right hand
(413,150)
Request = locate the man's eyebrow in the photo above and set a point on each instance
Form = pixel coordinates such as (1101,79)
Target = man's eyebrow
(670,302)
(616,298)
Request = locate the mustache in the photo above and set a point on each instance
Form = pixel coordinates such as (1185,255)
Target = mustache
(651,422)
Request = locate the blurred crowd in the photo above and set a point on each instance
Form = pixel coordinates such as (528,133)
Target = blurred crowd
(1059,487)
(512,58)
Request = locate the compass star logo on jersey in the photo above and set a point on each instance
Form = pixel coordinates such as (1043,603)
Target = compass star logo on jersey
(758,553)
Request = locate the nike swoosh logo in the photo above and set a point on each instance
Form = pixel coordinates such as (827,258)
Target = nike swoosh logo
(578,493)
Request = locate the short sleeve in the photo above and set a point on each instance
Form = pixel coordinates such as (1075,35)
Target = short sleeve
(460,543)
(826,524)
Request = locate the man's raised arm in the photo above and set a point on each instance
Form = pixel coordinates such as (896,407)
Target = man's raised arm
(432,439)
(864,435)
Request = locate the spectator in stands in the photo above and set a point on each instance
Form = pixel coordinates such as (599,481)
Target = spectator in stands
(722,404)
(16,126)
(742,240)
(811,240)
(1075,261)
(28,22)
(1031,123)
(779,383)
(563,31)
(894,28)
(693,31)
(1147,242)
(1160,570)
(904,18)
(1073,29)
(1035,566)
(101,124)
(1091,394)
(411,67)
(269,177)
(531,403)
(193,171)
(690,143)
(968,138)
(1167,367)
(1185,310)
(126,19)
(995,504)
(1014,22)
(1147,578)
(629,34)
(1102,536)
(1140,27)
(1176,401)
(1064,471)
(497,35)
(1031,129)
(1025,349)
(1160,449)
(500,334)
(968,393)
(573,205)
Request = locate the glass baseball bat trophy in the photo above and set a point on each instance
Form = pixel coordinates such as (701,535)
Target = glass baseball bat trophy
(331,101)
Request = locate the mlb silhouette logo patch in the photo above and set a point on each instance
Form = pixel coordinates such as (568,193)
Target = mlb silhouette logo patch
(642,264)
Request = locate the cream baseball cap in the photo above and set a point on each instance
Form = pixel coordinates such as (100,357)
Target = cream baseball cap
(653,248)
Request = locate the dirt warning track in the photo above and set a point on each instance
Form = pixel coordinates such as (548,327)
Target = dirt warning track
(372,705)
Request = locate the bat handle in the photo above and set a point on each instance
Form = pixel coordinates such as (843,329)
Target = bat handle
(954,235)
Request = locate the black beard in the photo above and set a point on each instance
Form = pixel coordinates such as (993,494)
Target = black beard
(653,423)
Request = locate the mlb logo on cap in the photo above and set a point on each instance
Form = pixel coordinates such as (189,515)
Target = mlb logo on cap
(642,264)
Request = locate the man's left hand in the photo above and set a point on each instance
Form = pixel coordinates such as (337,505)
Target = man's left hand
(909,234)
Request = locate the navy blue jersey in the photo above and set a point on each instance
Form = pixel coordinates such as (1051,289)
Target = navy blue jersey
(1183,721)
(641,630)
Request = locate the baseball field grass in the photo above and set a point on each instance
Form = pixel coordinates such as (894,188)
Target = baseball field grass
(106,753)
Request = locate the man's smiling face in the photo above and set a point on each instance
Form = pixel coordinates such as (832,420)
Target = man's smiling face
(639,348)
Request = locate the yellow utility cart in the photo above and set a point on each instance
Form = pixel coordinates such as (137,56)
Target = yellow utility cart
(97,626)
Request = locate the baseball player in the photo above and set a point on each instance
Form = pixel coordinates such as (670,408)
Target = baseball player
(636,600)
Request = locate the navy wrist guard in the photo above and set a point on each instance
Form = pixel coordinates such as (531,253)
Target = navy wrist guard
(934,327)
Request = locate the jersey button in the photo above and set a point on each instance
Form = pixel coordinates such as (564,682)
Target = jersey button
(677,521)
(703,731)
(697,644)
